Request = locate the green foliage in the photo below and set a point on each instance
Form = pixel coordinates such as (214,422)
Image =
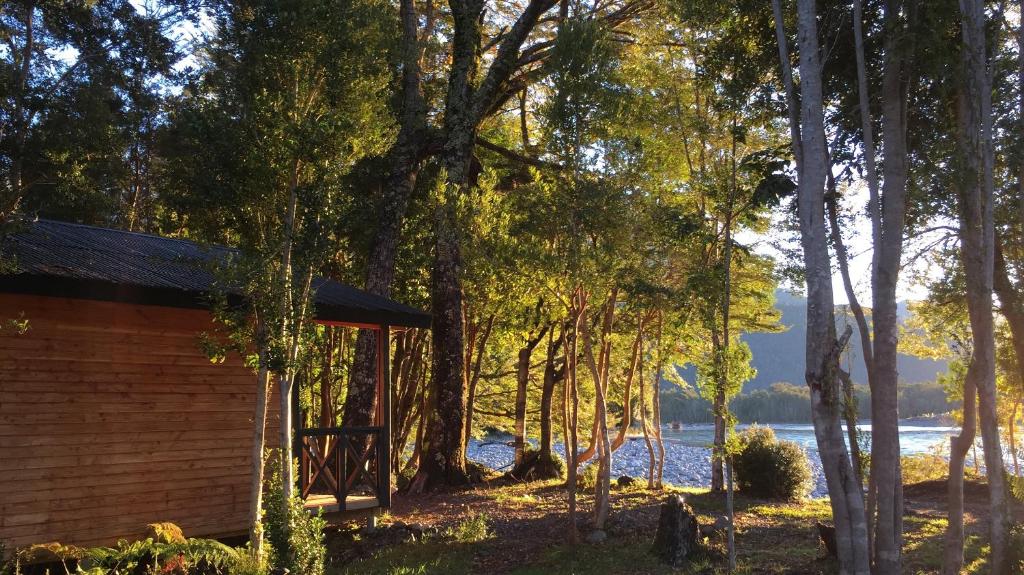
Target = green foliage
(1016,547)
(192,557)
(586,479)
(923,467)
(1016,484)
(470,530)
(556,460)
(295,535)
(769,468)
(248,562)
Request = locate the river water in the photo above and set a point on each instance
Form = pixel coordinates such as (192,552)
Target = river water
(913,438)
(688,453)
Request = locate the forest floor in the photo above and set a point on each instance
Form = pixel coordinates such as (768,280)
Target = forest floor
(520,529)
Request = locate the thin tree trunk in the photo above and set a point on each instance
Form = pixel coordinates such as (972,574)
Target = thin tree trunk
(1011,433)
(718,407)
(724,372)
(977,242)
(651,459)
(1010,304)
(259,429)
(850,400)
(959,446)
(823,348)
(474,378)
(545,457)
(657,406)
(522,385)
(627,411)
(570,402)
(599,372)
(288,332)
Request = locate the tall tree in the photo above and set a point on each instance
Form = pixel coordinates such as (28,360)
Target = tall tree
(83,87)
(823,347)
(977,244)
(287,102)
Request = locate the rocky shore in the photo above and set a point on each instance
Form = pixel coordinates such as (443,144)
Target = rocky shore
(684,465)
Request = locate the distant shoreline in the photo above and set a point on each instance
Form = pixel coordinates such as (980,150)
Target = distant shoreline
(938,420)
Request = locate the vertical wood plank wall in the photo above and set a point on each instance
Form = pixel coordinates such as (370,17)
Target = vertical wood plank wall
(111,418)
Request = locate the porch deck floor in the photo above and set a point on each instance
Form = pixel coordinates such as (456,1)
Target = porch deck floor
(352,503)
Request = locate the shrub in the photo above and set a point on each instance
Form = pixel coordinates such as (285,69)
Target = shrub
(771,469)
(470,530)
(586,479)
(554,467)
(296,537)
(920,467)
(1017,548)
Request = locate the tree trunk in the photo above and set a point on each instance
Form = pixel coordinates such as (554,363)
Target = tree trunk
(718,407)
(551,378)
(443,461)
(627,393)
(657,407)
(570,405)
(651,459)
(959,446)
(522,386)
(599,372)
(888,223)
(977,242)
(403,159)
(1011,305)
(474,378)
(1011,433)
(823,348)
(259,428)
(850,400)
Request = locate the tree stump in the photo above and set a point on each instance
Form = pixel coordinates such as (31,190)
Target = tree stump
(676,539)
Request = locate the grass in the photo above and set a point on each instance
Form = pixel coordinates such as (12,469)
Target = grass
(626,555)
(424,558)
(519,529)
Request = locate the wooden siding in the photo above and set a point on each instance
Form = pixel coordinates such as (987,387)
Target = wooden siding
(111,418)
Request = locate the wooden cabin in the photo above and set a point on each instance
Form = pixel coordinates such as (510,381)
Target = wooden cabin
(112,417)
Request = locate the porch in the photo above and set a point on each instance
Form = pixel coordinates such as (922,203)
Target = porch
(345,471)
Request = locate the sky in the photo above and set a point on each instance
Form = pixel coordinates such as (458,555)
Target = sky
(857,237)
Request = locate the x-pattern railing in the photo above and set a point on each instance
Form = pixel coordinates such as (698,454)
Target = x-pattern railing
(338,460)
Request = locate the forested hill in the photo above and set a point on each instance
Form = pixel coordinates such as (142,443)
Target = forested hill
(779,357)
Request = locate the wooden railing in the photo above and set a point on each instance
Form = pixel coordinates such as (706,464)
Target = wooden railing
(343,462)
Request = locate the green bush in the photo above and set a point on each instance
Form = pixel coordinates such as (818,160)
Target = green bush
(296,537)
(556,463)
(472,529)
(771,469)
(586,479)
(1017,548)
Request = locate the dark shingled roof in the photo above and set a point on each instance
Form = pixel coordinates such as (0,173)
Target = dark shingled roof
(78,261)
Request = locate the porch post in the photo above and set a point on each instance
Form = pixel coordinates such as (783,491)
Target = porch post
(384,401)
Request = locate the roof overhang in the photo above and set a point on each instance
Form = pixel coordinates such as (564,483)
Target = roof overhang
(100,290)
